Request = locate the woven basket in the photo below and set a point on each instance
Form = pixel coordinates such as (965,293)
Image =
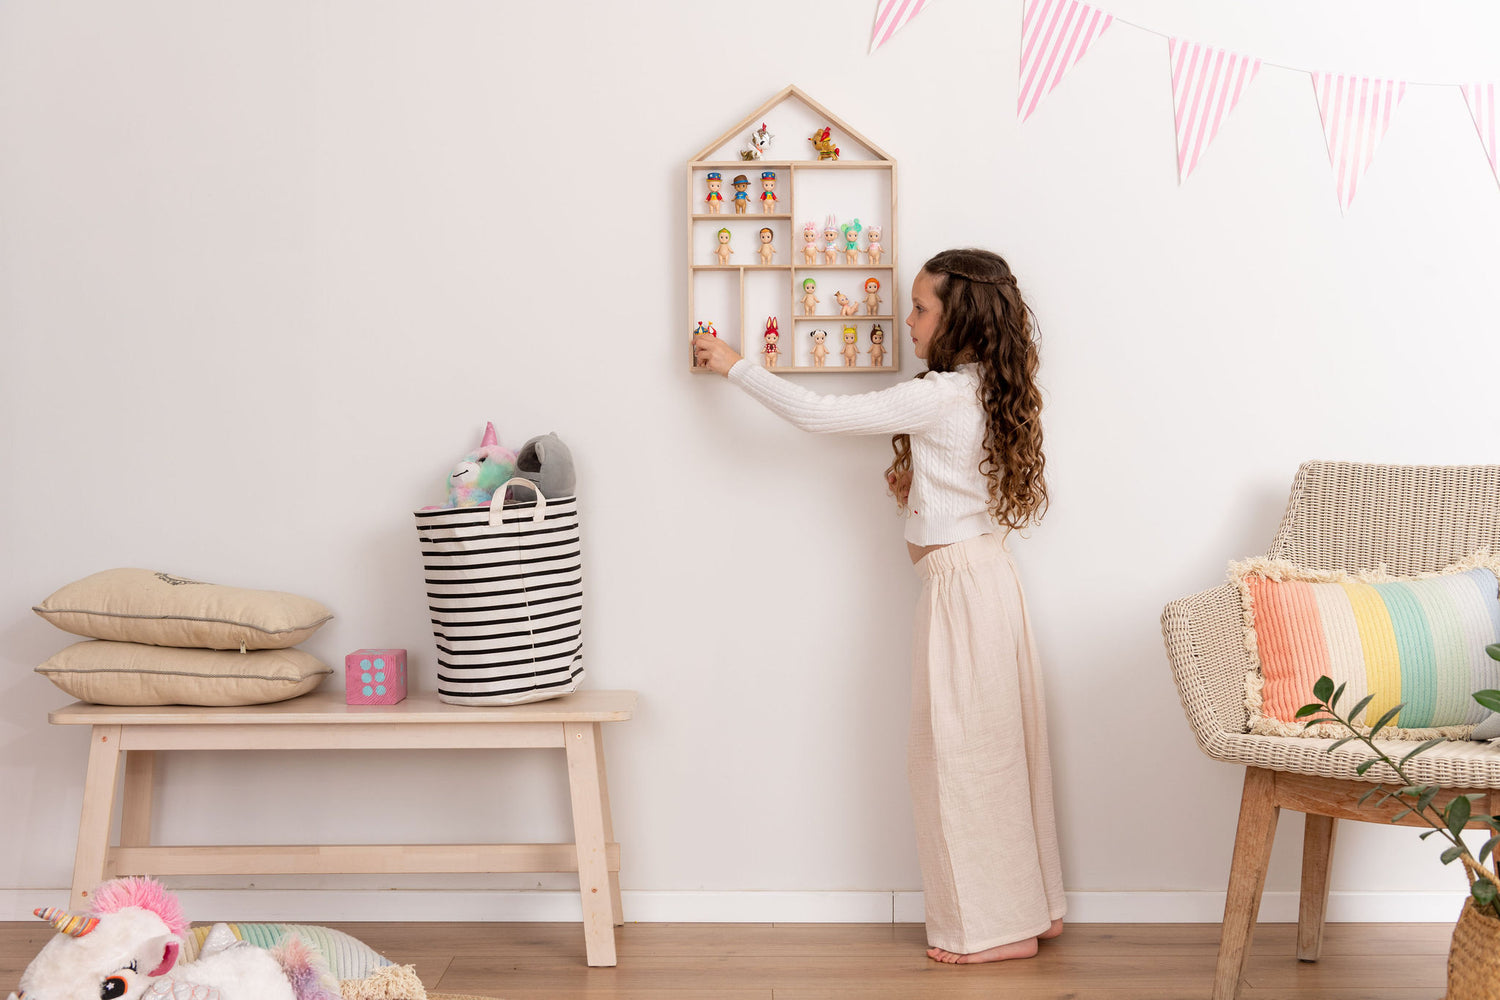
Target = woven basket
(1474,957)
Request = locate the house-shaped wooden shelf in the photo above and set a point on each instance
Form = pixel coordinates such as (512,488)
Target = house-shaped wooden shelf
(765,220)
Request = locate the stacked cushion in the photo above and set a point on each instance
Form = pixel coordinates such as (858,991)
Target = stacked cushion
(161,639)
(1417,640)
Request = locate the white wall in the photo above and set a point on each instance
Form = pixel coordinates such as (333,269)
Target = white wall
(265,270)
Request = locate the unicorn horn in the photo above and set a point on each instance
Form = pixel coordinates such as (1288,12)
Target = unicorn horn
(490,441)
(67,923)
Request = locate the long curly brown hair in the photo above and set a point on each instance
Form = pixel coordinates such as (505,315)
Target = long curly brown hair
(984,319)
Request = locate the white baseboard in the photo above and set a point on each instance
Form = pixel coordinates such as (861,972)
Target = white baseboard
(328,906)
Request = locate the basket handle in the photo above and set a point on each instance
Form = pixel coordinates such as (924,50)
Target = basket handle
(497,506)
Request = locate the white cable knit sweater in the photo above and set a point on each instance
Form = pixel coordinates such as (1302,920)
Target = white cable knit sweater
(941,412)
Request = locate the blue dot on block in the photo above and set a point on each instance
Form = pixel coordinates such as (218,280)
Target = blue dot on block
(380,676)
(367,691)
(365,677)
(364,664)
(379,663)
(380,689)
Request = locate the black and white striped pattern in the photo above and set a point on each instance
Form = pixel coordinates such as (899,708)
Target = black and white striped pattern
(506,600)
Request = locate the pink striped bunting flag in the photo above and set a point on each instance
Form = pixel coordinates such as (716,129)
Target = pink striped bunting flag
(1055,34)
(890,17)
(1356,112)
(1481,101)
(1206,85)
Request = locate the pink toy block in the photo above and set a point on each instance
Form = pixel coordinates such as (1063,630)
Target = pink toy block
(375,677)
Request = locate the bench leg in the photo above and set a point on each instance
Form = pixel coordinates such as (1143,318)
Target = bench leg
(135,810)
(98,809)
(1247,878)
(581,739)
(617,912)
(1317,861)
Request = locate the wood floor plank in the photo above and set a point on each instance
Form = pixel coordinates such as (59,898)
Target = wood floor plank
(545,961)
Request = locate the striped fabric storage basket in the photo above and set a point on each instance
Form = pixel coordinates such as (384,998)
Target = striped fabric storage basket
(1417,641)
(505,586)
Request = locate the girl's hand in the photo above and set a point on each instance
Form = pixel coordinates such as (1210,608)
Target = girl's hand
(713,354)
(900,486)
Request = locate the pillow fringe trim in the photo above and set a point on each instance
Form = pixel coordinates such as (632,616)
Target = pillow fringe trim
(1283,571)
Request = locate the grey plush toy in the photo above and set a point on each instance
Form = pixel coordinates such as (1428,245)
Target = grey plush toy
(547,462)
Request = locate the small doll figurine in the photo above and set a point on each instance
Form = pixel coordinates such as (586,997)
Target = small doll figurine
(846,307)
(725,250)
(768,191)
(851,231)
(831,240)
(874,249)
(760,141)
(767,248)
(703,328)
(715,199)
(810,299)
(822,141)
(877,347)
(820,347)
(741,194)
(851,347)
(773,334)
(872,296)
(810,243)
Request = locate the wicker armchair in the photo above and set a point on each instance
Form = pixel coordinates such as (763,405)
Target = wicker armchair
(1340,517)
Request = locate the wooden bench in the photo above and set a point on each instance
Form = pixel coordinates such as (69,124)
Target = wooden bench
(321,721)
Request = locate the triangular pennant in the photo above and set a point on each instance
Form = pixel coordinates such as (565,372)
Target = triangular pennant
(890,17)
(1356,111)
(1481,100)
(1054,35)
(1206,85)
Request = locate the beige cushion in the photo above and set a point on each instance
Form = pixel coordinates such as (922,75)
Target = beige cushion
(129,673)
(138,605)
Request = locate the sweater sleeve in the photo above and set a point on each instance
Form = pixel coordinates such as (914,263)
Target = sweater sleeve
(913,405)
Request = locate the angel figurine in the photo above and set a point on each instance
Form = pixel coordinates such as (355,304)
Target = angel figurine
(851,347)
(873,248)
(773,334)
(767,247)
(820,348)
(877,347)
(715,199)
(872,296)
(725,251)
(851,231)
(846,305)
(810,243)
(810,299)
(830,240)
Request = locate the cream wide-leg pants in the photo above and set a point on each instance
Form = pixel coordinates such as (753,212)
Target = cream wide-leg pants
(981,780)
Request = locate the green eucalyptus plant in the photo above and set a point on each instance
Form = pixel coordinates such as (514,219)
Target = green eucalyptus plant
(1449,821)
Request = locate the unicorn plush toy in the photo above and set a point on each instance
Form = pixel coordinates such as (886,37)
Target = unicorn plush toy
(127,946)
(479,473)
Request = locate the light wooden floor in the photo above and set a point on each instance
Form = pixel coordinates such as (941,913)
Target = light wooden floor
(877,962)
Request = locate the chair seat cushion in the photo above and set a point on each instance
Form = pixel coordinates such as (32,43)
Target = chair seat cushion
(1418,641)
(1461,764)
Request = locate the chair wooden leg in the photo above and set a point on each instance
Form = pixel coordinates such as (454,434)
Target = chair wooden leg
(1317,859)
(1247,879)
(98,810)
(588,834)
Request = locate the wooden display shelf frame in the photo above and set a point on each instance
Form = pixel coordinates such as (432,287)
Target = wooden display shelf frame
(750,346)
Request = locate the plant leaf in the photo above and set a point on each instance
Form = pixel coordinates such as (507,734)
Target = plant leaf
(1425,746)
(1483,892)
(1489,698)
(1452,854)
(1360,706)
(1429,792)
(1323,688)
(1457,815)
(1427,834)
(1337,694)
(1487,847)
(1390,714)
(1366,797)
(1307,710)
(1494,650)
(1361,769)
(1401,815)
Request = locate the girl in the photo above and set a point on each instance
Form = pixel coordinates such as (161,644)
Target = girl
(968,468)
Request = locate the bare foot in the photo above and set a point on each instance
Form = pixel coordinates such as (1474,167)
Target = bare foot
(1000,953)
(1051,932)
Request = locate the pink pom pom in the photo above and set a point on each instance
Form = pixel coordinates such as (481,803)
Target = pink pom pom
(148,894)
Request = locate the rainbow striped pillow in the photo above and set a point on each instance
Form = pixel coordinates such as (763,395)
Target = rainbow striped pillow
(1418,640)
